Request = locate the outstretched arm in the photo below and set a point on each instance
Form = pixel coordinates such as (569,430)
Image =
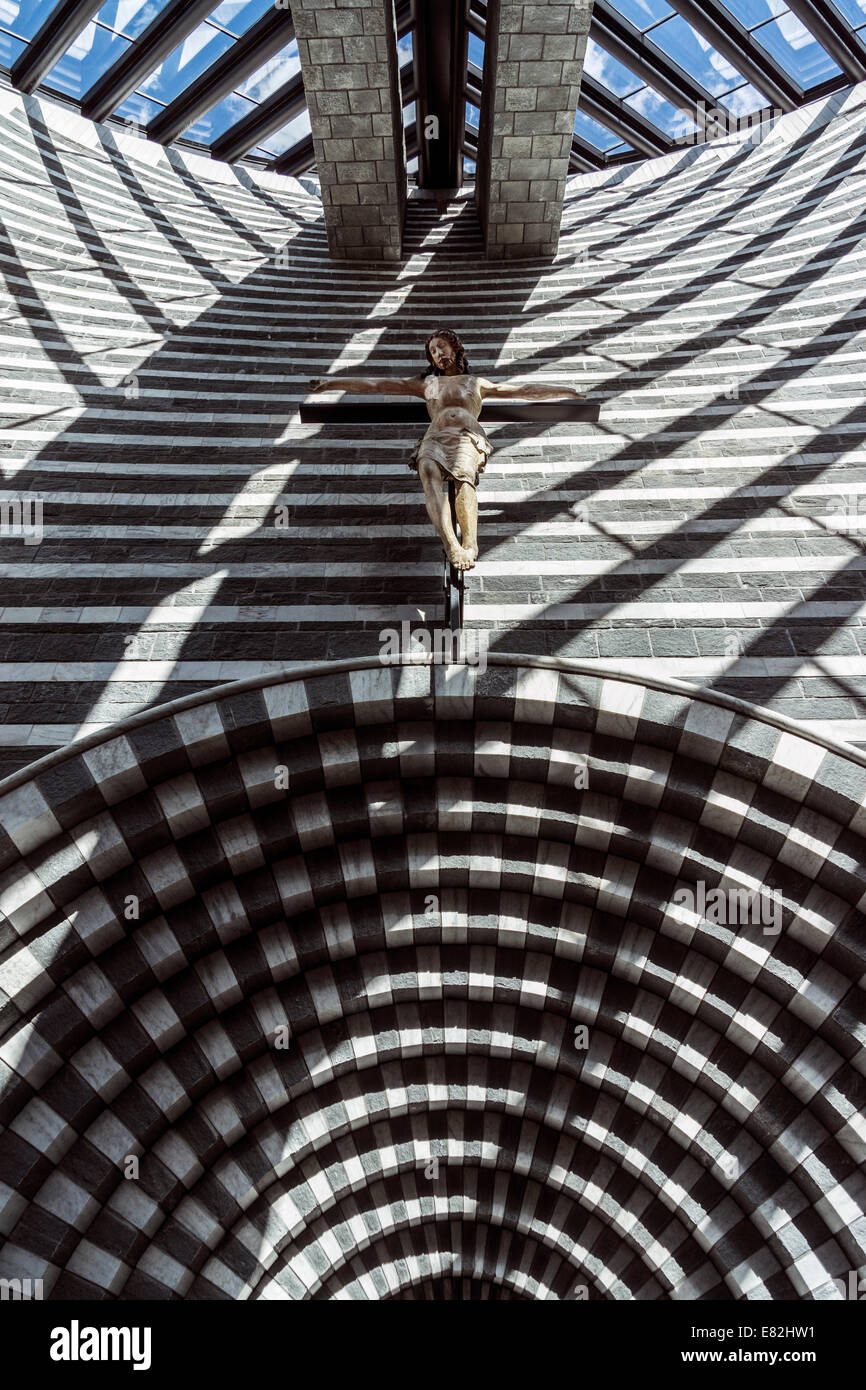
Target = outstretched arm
(529,391)
(385,386)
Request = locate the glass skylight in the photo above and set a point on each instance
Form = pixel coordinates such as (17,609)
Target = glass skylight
(273,74)
(25,17)
(643,13)
(795,50)
(239,15)
(188,61)
(777,39)
(84,62)
(594,133)
(695,55)
(853,10)
(130,17)
(612,74)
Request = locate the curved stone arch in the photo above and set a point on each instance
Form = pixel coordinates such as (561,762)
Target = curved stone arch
(730,738)
(317,1044)
(565,1145)
(398,1227)
(592,1081)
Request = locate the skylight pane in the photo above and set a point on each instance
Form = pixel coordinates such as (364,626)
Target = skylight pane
(752,12)
(473,115)
(594,133)
(412,165)
(10,49)
(130,17)
(642,13)
(214,122)
(409,113)
(188,61)
(662,113)
(288,135)
(25,18)
(238,15)
(139,109)
(794,49)
(743,100)
(404,48)
(695,55)
(608,71)
(476,51)
(273,74)
(84,62)
(853,10)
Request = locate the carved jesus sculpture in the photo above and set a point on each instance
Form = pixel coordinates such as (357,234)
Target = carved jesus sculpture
(455,446)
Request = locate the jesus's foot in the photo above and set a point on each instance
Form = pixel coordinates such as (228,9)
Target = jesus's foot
(461,559)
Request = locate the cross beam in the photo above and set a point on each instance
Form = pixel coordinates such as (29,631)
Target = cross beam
(412,412)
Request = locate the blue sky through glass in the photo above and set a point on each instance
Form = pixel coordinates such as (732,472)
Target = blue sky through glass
(279,69)
(642,13)
(612,74)
(215,122)
(662,113)
(594,133)
(25,18)
(130,17)
(752,12)
(288,135)
(139,109)
(695,55)
(794,49)
(84,62)
(772,26)
(10,49)
(188,61)
(853,10)
(238,15)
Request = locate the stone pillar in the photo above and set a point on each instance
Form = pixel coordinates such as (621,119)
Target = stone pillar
(533,59)
(348,53)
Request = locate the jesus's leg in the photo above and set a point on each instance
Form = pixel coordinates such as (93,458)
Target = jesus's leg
(466,504)
(439,511)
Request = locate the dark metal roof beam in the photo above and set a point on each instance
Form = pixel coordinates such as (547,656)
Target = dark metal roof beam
(732,41)
(477,23)
(233,67)
(440,55)
(843,46)
(160,38)
(407,83)
(584,159)
(297,160)
(60,29)
(404,18)
(620,120)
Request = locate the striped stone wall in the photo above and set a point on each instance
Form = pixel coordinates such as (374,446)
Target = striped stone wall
(161,323)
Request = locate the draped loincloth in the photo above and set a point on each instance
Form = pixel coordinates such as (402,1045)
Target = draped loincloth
(460,452)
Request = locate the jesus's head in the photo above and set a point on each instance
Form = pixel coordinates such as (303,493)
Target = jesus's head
(446,354)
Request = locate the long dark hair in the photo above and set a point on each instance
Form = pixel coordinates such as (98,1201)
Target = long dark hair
(459,352)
